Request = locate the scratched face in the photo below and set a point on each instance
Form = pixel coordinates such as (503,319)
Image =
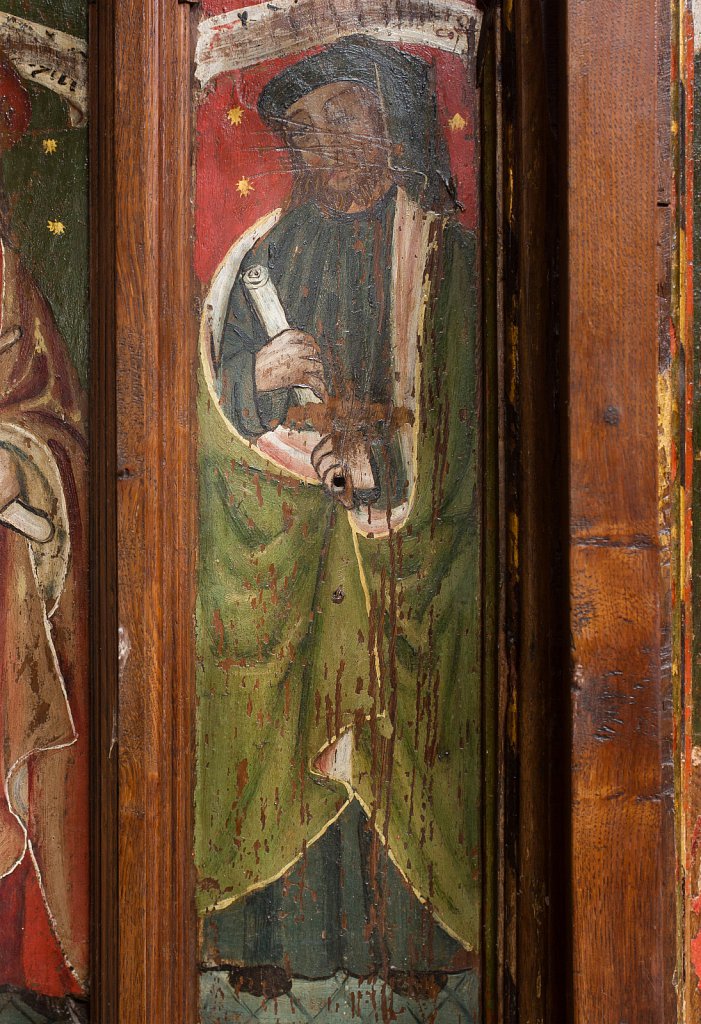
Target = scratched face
(339,135)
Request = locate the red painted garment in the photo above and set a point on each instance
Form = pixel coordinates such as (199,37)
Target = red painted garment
(43,656)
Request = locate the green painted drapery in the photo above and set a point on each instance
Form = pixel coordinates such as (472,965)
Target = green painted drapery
(308,628)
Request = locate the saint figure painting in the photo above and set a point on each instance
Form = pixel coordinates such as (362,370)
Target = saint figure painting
(338,798)
(43,529)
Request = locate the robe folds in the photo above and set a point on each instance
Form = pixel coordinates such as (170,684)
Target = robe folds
(43,656)
(339,653)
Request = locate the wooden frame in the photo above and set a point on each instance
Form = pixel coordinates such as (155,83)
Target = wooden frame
(620,509)
(535,503)
(570,526)
(142,471)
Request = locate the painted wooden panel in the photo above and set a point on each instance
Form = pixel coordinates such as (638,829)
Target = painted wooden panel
(690,719)
(44,816)
(623,375)
(340,624)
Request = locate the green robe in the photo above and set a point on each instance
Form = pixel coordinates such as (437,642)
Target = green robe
(307,629)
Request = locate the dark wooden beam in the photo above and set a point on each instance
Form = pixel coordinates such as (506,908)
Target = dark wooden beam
(536,791)
(537,472)
(104,684)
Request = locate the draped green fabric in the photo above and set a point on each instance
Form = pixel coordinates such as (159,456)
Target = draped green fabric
(307,629)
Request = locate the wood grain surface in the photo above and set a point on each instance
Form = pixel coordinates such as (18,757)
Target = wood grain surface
(684,327)
(622,860)
(145,547)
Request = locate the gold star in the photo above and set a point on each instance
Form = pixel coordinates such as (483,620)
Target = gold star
(50,146)
(56,227)
(457,123)
(235,115)
(244,187)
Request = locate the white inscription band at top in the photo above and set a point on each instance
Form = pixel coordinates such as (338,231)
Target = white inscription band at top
(47,57)
(240,39)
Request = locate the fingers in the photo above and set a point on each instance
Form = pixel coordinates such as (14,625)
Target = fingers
(306,341)
(311,368)
(303,351)
(343,497)
(334,474)
(274,355)
(323,456)
(298,343)
(316,382)
(289,369)
(309,373)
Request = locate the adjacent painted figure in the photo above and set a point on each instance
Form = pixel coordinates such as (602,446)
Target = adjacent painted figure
(44,881)
(339,780)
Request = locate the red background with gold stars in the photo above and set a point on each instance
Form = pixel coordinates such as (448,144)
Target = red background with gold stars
(228,153)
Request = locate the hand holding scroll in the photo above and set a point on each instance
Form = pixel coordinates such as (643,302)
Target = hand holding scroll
(290,360)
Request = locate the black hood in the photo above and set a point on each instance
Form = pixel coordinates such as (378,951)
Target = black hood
(405,85)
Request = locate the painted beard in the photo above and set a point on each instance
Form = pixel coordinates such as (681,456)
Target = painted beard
(340,187)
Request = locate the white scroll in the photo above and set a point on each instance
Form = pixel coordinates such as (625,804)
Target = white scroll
(266,301)
(241,38)
(30,522)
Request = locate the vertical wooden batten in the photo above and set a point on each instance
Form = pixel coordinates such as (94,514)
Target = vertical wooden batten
(537,473)
(492,497)
(622,858)
(144,508)
(104,690)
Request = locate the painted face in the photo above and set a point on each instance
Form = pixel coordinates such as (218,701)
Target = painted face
(339,135)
